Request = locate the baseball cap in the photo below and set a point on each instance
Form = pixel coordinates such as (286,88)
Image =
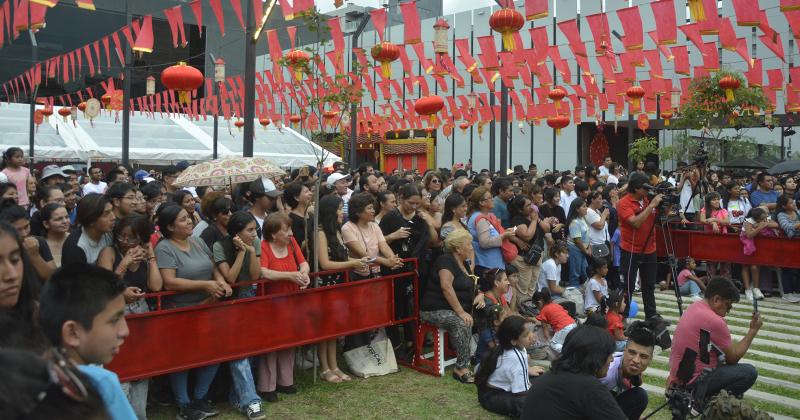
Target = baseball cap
(182,165)
(264,186)
(140,175)
(336,176)
(68,169)
(53,170)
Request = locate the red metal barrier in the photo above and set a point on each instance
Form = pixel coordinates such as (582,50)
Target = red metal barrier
(173,340)
(709,246)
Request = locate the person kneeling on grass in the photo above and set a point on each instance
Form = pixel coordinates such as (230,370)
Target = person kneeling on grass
(624,378)
(81,312)
(554,316)
(503,377)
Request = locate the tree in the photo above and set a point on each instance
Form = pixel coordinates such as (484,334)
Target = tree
(642,147)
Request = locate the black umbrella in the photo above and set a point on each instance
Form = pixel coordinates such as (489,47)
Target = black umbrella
(784,167)
(743,162)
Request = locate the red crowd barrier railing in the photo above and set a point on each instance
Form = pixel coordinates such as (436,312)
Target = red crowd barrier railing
(172,340)
(727,247)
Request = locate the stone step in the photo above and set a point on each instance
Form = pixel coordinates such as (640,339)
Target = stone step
(775,356)
(657,390)
(760,341)
(743,306)
(743,317)
(771,302)
(758,364)
(743,330)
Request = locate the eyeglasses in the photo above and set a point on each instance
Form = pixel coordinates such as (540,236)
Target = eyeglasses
(131,240)
(435,181)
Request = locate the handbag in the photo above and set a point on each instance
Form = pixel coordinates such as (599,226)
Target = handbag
(508,249)
(600,250)
(374,359)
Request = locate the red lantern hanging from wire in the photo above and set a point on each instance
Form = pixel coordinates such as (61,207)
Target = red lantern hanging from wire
(239,124)
(47,112)
(558,122)
(183,79)
(295,119)
(666,116)
(82,108)
(64,112)
(429,106)
(635,93)
(507,22)
(385,53)
(556,95)
(463,126)
(297,61)
(729,84)
(264,122)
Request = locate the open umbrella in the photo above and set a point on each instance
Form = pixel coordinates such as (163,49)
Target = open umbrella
(784,167)
(743,162)
(228,171)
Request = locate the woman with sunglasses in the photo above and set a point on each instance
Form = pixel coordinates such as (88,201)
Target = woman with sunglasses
(132,259)
(432,183)
(218,213)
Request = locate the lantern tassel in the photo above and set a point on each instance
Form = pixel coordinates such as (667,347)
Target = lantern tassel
(558,104)
(386,69)
(183,97)
(433,119)
(729,95)
(508,41)
(298,73)
(636,103)
(666,122)
(558,131)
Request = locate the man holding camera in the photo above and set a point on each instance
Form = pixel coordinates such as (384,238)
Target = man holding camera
(704,321)
(624,377)
(637,216)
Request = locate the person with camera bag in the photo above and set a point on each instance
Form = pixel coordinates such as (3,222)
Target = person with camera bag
(637,216)
(704,321)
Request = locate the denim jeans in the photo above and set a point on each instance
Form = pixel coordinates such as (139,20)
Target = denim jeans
(577,266)
(243,391)
(689,288)
(736,379)
(179,381)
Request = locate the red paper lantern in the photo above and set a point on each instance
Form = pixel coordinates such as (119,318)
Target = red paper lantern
(558,122)
(643,122)
(635,93)
(429,105)
(106,100)
(328,117)
(729,84)
(183,79)
(556,95)
(64,112)
(507,22)
(239,125)
(297,60)
(264,122)
(47,112)
(463,126)
(385,53)
(295,119)
(82,108)
(666,115)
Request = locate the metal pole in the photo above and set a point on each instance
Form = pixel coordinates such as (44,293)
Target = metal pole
(491,134)
(126,95)
(555,83)
(783,146)
(249,85)
(32,109)
(471,90)
(353,107)
(503,127)
(216,119)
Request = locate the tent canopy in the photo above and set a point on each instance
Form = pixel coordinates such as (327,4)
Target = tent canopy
(160,140)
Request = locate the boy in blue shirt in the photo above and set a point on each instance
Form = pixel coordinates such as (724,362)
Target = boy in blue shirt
(81,312)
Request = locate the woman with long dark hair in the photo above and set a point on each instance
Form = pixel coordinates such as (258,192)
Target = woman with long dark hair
(503,377)
(571,389)
(96,220)
(19,289)
(184,199)
(55,220)
(36,247)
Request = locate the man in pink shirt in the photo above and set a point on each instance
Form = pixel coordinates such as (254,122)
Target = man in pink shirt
(724,354)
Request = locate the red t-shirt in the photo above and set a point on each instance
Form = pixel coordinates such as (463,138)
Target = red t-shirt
(555,315)
(614,322)
(632,240)
(687,336)
(291,262)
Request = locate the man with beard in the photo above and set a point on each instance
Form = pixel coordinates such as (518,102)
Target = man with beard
(624,378)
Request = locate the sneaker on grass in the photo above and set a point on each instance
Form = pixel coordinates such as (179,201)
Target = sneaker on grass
(204,407)
(254,411)
(189,413)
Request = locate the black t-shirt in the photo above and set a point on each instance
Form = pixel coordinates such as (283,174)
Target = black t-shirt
(567,396)
(211,235)
(546,211)
(412,246)
(463,286)
(298,228)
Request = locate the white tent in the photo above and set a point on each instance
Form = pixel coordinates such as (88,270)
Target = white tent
(160,140)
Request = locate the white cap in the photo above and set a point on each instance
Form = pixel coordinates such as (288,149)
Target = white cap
(336,176)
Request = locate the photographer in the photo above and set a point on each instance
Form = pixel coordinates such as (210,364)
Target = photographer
(637,215)
(624,378)
(708,315)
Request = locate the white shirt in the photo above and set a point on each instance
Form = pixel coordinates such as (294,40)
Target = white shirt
(612,179)
(511,373)
(596,236)
(566,200)
(738,205)
(686,196)
(603,171)
(99,188)
(591,286)
(549,271)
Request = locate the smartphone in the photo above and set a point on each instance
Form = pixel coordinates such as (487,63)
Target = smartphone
(371,260)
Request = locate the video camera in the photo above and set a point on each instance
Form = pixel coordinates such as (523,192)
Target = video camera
(670,199)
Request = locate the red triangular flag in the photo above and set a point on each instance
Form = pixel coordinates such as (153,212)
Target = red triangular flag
(216,7)
(144,42)
(197,9)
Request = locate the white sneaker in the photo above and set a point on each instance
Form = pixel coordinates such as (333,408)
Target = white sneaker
(748,294)
(757,293)
(695,298)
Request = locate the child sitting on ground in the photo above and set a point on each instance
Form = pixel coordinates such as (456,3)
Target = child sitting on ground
(688,282)
(596,289)
(555,317)
(81,312)
(615,307)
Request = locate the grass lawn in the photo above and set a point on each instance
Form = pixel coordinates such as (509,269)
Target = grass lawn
(406,394)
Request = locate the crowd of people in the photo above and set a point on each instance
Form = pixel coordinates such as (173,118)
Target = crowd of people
(510,261)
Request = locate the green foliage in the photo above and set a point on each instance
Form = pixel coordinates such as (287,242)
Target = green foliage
(707,108)
(683,147)
(642,147)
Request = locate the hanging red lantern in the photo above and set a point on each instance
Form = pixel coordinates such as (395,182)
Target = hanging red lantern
(558,122)
(556,95)
(507,22)
(82,108)
(239,125)
(295,119)
(106,100)
(264,122)
(328,116)
(635,93)
(729,84)
(47,112)
(385,53)
(666,115)
(429,106)
(297,61)
(463,126)
(643,122)
(64,112)
(183,79)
